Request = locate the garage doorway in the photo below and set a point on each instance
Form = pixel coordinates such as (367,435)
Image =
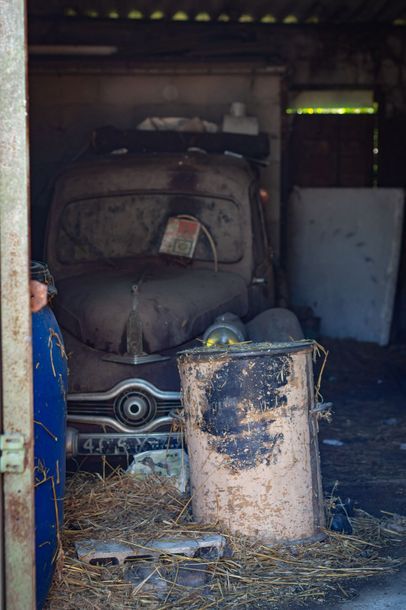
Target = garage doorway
(333,139)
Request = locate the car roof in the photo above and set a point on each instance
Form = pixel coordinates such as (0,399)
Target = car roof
(192,172)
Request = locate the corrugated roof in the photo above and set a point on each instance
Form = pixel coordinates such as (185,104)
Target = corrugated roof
(240,11)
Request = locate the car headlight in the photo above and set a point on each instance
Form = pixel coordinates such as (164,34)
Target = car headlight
(221,336)
(227,329)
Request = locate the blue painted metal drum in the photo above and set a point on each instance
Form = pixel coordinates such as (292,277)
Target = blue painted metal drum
(50,387)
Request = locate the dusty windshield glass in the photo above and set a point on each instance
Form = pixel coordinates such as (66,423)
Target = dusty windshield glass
(131,225)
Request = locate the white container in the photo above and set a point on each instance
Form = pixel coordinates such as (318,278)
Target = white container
(238,121)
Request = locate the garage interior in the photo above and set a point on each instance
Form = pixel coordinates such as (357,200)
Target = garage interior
(326,82)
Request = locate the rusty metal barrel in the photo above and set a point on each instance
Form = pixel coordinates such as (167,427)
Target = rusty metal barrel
(252,440)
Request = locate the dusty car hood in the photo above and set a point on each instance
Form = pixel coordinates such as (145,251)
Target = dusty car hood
(175,305)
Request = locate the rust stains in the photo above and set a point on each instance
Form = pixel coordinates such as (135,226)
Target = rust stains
(17,507)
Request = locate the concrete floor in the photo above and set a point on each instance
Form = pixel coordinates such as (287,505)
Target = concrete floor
(367,385)
(386,594)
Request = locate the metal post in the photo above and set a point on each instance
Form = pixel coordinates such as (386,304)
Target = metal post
(16,358)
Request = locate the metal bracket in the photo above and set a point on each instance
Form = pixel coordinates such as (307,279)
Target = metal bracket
(12,456)
(134,359)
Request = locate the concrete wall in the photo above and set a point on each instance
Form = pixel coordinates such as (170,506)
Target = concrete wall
(65,108)
(320,55)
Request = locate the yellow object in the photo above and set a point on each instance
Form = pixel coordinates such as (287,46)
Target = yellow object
(246,18)
(221,336)
(290,19)
(180,16)
(202,17)
(156,15)
(268,18)
(135,15)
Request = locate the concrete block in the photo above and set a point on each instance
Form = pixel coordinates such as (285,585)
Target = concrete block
(103,551)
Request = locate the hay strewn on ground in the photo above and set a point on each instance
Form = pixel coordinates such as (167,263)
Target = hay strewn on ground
(120,507)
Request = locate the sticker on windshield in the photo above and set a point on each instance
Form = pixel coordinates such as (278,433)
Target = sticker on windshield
(180,237)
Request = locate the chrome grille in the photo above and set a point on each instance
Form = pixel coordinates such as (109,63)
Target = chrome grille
(133,405)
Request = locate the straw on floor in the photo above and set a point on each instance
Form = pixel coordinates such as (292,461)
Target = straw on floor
(249,576)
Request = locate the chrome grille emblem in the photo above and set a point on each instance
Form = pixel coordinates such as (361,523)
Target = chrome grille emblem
(135,408)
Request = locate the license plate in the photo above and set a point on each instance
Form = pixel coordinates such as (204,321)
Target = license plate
(127,444)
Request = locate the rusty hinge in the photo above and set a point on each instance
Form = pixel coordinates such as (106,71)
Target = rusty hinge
(12,453)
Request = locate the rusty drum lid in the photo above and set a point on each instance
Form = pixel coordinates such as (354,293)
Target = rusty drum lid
(247,350)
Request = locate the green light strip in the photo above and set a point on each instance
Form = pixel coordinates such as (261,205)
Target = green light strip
(333,110)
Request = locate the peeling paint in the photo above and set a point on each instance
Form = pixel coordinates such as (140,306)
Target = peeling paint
(240,399)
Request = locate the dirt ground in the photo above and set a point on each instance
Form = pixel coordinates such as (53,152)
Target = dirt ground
(367,386)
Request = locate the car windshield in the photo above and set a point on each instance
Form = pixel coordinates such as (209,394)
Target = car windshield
(133,224)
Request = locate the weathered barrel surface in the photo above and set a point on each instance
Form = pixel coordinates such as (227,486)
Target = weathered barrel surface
(252,439)
(50,386)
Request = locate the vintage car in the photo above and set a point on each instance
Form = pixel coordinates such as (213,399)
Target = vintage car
(126,307)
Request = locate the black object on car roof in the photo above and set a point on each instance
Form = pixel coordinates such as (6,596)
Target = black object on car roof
(108,139)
